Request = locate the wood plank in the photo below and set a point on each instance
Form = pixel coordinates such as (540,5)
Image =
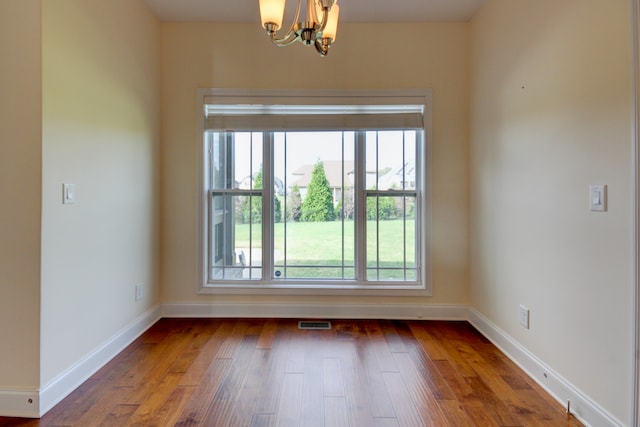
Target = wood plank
(263,420)
(200,338)
(448,347)
(406,412)
(195,409)
(380,347)
(385,422)
(221,410)
(158,379)
(419,390)
(498,409)
(200,365)
(332,383)
(427,341)
(267,335)
(419,364)
(312,411)
(131,387)
(171,409)
(455,414)
(395,342)
(465,395)
(231,342)
(290,407)
(374,383)
(266,402)
(154,400)
(120,416)
(354,377)
(335,411)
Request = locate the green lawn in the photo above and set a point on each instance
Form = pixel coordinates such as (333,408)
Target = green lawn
(326,244)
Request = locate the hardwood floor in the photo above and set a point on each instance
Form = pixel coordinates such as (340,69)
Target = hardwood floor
(254,372)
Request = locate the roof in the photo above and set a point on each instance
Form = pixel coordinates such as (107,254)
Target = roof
(336,175)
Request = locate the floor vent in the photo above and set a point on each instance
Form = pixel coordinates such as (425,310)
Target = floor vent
(303,324)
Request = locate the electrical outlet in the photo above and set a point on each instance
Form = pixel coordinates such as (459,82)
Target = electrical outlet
(138,291)
(524,316)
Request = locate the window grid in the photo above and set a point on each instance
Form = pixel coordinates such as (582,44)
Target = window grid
(405,193)
(259,197)
(342,266)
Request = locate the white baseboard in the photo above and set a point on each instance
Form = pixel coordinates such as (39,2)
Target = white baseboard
(60,387)
(318,311)
(582,407)
(22,403)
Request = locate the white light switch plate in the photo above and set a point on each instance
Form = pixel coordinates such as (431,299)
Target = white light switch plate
(68,194)
(598,198)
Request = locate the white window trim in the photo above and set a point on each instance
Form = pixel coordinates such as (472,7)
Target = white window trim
(302,288)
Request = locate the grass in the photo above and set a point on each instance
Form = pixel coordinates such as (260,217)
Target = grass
(324,247)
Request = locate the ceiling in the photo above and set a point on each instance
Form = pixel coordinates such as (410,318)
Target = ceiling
(350,10)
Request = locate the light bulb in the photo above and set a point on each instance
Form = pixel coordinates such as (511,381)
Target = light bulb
(272,12)
(332,23)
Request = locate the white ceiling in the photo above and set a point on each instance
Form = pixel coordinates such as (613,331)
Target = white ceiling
(350,10)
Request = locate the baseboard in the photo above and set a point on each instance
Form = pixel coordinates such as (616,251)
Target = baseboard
(582,407)
(21,403)
(59,388)
(317,311)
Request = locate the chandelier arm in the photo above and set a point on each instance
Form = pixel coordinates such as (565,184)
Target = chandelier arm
(286,41)
(323,49)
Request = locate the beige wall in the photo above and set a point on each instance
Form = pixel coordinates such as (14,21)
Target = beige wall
(100,132)
(20,183)
(550,115)
(240,56)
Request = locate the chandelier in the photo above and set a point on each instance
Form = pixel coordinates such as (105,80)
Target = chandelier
(318,29)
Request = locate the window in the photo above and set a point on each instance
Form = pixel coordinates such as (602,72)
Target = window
(314,191)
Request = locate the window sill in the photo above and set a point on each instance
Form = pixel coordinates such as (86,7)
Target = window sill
(315,289)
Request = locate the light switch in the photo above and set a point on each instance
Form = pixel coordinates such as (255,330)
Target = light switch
(68,194)
(598,198)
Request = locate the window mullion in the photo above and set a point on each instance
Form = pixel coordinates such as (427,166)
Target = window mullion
(267,206)
(208,138)
(420,176)
(377,206)
(360,217)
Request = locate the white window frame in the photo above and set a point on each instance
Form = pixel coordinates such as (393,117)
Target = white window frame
(297,97)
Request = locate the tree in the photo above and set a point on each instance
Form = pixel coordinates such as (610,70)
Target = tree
(383,209)
(277,209)
(294,206)
(318,203)
(254,211)
(347,206)
(249,208)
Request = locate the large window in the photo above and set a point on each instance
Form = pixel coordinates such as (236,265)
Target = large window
(320,192)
